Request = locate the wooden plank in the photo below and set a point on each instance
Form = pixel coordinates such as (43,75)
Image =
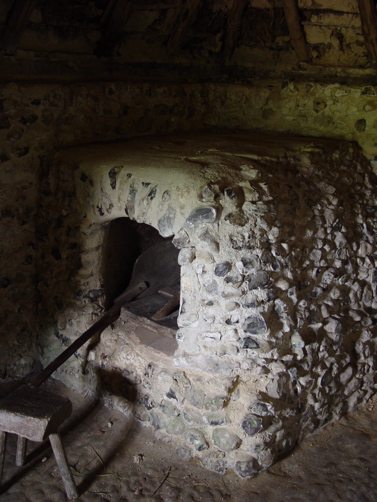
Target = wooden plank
(169,307)
(369,26)
(186,18)
(21,451)
(233,28)
(84,68)
(296,31)
(107,12)
(3,440)
(65,471)
(18,19)
(114,20)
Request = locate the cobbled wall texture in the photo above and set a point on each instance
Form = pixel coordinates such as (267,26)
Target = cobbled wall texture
(277,320)
(37,119)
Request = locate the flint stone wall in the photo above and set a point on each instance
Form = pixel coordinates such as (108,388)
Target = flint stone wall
(277,319)
(36,119)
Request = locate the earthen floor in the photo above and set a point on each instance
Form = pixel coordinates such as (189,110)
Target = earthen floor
(114,459)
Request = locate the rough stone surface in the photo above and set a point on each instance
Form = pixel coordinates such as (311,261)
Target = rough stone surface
(225,440)
(296,224)
(113,458)
(39,118)
(300,341)
(252,425)
(255,325)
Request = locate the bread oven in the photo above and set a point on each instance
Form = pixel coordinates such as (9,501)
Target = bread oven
(273,330)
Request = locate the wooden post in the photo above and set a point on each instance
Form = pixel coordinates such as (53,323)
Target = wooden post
(18,19)
(296,32)
(186,18)
(114,20)
(3,440)
(61,460)
(233,28)
(21,450)
(369,26)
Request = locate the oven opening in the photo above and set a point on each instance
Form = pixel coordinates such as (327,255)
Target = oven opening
(135,253)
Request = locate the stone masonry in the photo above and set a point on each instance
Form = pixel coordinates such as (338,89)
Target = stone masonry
(277,319)
(37,119)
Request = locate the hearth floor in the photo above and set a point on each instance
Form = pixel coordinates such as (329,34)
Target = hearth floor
(114,459)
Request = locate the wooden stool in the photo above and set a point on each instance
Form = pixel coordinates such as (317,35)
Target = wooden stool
(35,414)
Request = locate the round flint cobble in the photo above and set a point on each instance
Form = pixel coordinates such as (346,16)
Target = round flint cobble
(216,403)
(210,240)
(195,397)
(225,440)
(252,424)
(235,280)
(181,239)
(158,422)
(261,409)
(250,343)
(236,219)
(186,256)
(250,262)
(257,281)
(169,409)
(200,215)
(215,419)
(222,269)
(255,325)
(175,426)
(166,223)
(197,439)
(214,463)
(247,468)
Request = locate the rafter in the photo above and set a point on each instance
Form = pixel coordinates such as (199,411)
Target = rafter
(18,19)
(186,18)
(114,20)
(295,29)
(233,28)
(369,26)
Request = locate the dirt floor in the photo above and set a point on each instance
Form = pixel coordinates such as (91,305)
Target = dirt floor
(114,459)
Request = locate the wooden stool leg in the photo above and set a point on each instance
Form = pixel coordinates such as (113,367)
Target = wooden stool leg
(3,440)
(61,460)
(21,451)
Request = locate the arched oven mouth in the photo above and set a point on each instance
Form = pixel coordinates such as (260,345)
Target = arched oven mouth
(138,258)
(158,269)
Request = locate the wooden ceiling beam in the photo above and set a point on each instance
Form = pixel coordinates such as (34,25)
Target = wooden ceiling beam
(295,29)
(107,12)
(233,28)
(114,21)
(368,18)
(186,18)
(18,19)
